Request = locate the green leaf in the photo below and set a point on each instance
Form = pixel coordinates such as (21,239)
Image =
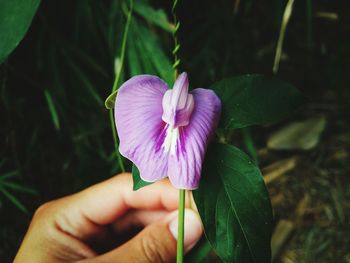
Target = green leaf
(134,59)
(83,78)
(200,252)
(154,53)
(110,101)
(15,19)
(138,61)
(145,56)
(234,205)
(138,182)
(147,67)
(157,17)
(255,100)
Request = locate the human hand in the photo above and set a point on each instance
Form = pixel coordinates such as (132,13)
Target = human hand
(75,227)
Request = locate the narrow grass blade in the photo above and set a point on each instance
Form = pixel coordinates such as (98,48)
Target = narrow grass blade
(9,175)
(85,81)
(14,200)
(19,188)
(286,16)
(52,109)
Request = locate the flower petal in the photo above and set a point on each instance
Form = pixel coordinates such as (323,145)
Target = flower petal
(138,114)
(184,167)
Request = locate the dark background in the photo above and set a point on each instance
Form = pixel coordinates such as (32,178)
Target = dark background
(69,53)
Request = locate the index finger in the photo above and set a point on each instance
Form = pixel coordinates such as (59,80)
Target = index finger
(105,202)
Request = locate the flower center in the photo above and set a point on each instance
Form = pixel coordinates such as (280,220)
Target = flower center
(170,141)
(178,104)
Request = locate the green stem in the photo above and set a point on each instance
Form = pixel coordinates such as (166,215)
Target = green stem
(181,230)
(182,192)
(116,144)
(123,47)
(115,85)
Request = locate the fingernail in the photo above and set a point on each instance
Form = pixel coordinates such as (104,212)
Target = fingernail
(193,229)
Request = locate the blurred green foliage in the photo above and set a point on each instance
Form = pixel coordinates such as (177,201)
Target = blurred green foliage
(55,132)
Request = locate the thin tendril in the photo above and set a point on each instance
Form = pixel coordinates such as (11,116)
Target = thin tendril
(115,85)
(176,40)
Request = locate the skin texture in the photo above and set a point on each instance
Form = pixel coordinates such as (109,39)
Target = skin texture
(92,225)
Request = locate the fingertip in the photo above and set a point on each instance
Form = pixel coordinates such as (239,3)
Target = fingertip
(193,229)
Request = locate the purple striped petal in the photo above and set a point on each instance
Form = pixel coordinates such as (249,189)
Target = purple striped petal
(165,132)
(184,167)
(141,130)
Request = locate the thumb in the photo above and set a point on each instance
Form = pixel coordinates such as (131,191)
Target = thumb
(157,242)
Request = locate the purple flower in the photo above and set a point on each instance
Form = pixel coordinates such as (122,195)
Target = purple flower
(163,131)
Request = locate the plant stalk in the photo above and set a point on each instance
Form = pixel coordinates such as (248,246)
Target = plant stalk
(181,227)
(115,85)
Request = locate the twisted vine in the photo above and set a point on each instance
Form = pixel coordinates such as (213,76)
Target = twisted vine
(176,40)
